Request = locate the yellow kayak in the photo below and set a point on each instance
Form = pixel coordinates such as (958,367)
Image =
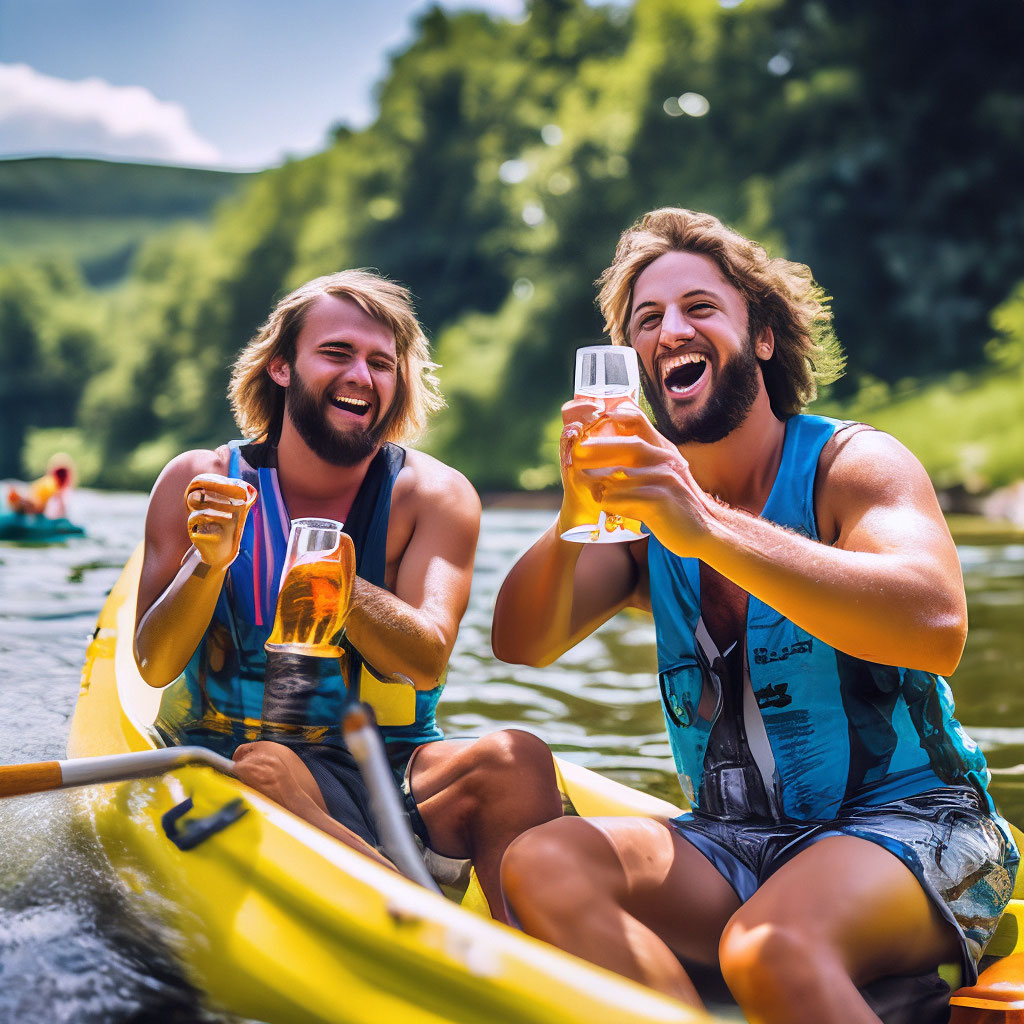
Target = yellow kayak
(277,921)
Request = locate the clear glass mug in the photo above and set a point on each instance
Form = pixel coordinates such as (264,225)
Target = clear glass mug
(608,375)
(316,589)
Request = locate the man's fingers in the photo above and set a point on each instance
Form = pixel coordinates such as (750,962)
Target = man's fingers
(617,451)
(208,521)
(581,410)
(212,487)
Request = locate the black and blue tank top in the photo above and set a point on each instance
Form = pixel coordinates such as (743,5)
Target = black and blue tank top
(218,702)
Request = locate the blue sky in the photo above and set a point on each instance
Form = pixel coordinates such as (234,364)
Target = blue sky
(200,82)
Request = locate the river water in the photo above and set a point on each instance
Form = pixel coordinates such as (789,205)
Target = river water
(71,951)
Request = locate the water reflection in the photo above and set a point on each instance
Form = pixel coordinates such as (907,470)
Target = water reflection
(68,950)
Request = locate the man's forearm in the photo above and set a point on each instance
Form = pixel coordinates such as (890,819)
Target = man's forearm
(533,613)
(881,607)
(172,628)
(394,637)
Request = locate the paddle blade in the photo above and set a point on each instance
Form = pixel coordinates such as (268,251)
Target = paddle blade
(18,779)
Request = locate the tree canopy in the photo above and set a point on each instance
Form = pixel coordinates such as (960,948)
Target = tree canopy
(882,145)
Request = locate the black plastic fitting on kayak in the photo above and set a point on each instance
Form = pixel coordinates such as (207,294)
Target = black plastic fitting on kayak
(198,830)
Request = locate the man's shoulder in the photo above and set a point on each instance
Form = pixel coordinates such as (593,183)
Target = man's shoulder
(182,468)
(424,478)
(862,466)
(205,460)
(857,447)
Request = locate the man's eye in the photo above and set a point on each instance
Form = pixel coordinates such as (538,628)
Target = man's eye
(701,307)
(650,320)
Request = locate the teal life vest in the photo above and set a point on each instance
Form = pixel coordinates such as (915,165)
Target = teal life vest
(218,702)
(814,726)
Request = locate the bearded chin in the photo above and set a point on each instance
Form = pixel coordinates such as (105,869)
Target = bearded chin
(308,416)
(735,390)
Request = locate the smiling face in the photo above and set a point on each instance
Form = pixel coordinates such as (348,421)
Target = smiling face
(689,327)
(342,382)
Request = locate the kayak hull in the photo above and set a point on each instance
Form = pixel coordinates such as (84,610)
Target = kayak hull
(277,921)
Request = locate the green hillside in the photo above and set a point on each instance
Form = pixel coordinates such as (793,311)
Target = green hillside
(96,212)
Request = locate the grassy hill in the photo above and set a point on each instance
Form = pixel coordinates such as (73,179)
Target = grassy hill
(98,212)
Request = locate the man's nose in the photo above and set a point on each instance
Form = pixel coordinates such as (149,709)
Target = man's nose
(359,373)
(675,327)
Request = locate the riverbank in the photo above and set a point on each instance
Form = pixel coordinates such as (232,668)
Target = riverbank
(996,518)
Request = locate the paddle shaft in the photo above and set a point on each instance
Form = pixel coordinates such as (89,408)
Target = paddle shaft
(366,746)
(40,777)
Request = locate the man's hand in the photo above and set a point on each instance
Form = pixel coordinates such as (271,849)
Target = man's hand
(217,508)
(626,465)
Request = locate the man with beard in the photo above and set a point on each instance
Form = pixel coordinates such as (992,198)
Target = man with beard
(336,377)
(840,830)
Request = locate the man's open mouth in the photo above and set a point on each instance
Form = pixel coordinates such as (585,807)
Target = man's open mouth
(347,403)
(681,373)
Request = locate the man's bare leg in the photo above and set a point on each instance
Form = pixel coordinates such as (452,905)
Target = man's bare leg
(475,798)
(624,893)
(278,772)
(838,916)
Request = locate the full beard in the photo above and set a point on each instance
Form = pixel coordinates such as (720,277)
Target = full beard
(735,389)
(308,414)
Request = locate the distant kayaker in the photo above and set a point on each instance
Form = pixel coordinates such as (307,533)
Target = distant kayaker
(48,495)
(841,830)
(336,377)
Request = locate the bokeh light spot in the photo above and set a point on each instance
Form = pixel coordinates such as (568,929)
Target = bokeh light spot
(513,171)
(694,104)
(551,134)
(533,214)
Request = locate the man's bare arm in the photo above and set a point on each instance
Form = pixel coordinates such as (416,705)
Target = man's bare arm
(413,630)
(179,586)
(560,592)
(889,589)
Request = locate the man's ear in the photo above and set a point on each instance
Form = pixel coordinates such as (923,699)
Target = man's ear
(764,347)
(279,370)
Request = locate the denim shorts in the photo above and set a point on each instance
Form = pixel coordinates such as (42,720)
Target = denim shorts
(960,852)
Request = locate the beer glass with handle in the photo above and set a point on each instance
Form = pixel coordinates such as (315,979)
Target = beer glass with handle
(316,589)
(607,375)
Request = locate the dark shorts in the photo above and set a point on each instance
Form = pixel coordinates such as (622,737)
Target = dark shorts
(402,769)
(958,850)
(336,773)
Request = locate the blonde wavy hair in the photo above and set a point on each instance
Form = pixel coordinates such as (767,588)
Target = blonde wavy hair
(779,294)
(257,401)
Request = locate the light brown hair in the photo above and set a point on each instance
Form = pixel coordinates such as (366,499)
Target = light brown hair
(779,294)
(258,402)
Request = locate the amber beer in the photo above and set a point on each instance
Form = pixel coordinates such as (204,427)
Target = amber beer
(314,600)
(607,376)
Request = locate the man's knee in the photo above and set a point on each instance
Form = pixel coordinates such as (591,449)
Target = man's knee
(263,764)
(510,754)
(770,963)
(549,867)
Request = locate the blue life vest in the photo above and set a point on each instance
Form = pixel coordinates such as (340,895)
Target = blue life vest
(824,728)
(218,702)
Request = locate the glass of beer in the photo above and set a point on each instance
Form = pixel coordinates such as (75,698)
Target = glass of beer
(607,375)
(316,589)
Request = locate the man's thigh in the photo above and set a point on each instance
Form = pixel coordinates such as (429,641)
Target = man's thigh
(655,876)
(860,901)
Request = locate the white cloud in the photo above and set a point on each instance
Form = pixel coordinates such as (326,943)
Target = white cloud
(43,114)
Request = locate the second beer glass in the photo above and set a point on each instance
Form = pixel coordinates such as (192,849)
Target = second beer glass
(608,375)
(316,589)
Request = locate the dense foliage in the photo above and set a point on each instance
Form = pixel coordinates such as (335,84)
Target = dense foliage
(881,144)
